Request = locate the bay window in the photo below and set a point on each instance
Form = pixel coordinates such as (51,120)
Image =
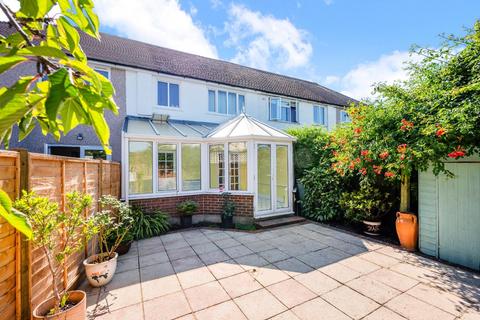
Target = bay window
(217,166)
(140,167)
(167,167)
(237,162)
(191,166)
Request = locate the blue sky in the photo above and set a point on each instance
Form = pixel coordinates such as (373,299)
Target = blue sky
(344,44)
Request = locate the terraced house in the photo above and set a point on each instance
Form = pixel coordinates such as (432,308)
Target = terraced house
(191,127)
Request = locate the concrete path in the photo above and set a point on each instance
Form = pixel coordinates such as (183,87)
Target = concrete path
(299,272)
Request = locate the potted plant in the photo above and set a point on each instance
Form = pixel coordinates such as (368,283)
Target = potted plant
(228,209)
(59,233)
(186,209)
(367,205)
(113,224)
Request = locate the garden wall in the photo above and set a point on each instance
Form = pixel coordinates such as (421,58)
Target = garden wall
(24,277)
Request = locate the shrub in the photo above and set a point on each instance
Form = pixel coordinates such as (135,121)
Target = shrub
(228,207)
(149,225)
(367,203)
(187,207)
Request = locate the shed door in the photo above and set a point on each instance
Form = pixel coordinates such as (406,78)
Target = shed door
(459,215)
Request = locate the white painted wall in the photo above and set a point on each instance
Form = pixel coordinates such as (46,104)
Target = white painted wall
(141,92)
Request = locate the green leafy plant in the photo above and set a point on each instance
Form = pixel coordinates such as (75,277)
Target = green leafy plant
(59,233)
(14,217)
(228,207)
(367,203)
(113,222)
(147,225)
(63,91)
(187,207)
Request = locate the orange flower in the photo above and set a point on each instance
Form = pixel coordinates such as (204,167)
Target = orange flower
(357,130)
(363,171)
(377,169)
(402,148)
(440,132)
(389,174)
(457,153)
(383,155)
(406,125)
(364,153)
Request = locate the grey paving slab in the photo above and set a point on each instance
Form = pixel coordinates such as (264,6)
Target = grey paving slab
(297,272)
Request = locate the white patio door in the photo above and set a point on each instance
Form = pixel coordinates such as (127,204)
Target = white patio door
(272,176)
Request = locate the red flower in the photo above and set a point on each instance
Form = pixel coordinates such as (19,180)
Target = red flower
(389,174)
(335,153)
(377,169)
(363,171)
(357,160)
(383,155)
(440,132)
(357,130)
(402,148)
(402,156)
(406,125)
(457,153)
(364,153)
(351,166)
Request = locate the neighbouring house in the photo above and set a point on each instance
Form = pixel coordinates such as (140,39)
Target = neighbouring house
(190,127)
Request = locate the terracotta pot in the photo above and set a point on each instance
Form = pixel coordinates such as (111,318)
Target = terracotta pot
(99,274)
(77,312)
(372,228)
(407,230)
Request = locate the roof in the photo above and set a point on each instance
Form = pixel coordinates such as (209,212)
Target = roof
(244,126)
(171,128)
(135,54)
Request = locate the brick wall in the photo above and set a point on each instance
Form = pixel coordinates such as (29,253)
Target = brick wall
(207,204)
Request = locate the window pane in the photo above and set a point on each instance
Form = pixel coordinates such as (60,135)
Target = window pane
(282,177)
(211,100)
(162,93)
(264,196)
(95,154)
(237,155)
(319,115)
(222,102)
(232,103)
(285,114)
(191,167)
(217,166)
(140,167)
(241,103)
(167,167)
(104,73)
(174,95)
(293,114)
(274,103)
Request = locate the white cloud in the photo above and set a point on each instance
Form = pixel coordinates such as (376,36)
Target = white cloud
(265,42)
(160,22)
(215,3)
(358,82)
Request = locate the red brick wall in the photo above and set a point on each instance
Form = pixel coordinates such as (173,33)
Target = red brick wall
(207,204)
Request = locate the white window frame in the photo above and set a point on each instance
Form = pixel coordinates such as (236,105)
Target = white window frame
(175,165)
(82,148)
(279,110)
(237,100)
(168,94)
(325,115)
(344,116)
(180,170)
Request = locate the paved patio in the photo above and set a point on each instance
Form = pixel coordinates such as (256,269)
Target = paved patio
(300,272)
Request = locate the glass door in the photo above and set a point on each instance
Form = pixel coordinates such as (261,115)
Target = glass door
(264,177)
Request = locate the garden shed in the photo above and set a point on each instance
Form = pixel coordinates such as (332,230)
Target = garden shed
(449,213)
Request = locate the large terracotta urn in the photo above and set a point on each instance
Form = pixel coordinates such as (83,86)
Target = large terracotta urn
(407,230)
(77,312)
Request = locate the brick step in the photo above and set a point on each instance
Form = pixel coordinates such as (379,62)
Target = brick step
(278,221)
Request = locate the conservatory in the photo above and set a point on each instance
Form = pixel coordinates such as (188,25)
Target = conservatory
(166,161)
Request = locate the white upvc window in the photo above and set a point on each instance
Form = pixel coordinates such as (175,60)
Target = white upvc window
(225,102)
(282,109)
(167,167)
(168,94)
(319,115)
(103,71)
(344,116)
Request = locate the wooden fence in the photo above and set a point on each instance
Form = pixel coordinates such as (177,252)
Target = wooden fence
(24,276)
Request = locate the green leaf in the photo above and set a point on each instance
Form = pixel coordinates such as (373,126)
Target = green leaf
(70,38)
(13,103)
(72,114)
(59,81)
(34,8)
(7,63)
(14,217)
(43,51)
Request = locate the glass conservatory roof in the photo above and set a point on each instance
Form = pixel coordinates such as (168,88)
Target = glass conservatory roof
(242,126)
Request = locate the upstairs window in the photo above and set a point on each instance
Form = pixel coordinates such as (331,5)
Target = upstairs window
(319,115)
(283,110)
(103,72)
(225,102)
(344,116)
(168,94)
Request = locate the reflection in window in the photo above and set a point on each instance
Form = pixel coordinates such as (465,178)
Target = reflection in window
(217,166)
(167,167)
(237,154)
(222,102)
(191,167)
(318,115)
(211,101)
(282,176)
(140,167)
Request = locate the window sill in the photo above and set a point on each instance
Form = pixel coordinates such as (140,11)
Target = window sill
(179,109)
(183,193)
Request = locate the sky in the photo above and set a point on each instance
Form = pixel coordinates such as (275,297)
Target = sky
(346,45)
